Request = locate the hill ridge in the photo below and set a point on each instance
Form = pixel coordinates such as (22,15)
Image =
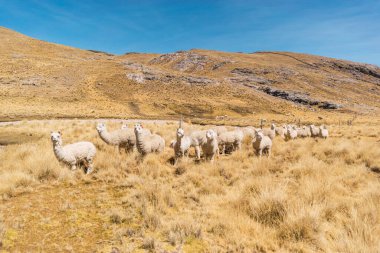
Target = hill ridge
(41,79)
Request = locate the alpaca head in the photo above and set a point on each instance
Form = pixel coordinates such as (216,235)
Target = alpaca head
(259,135)
(101,127)
(124,126)
(273,126)
(56,137)
(180,132)
(210,134)
(138,128)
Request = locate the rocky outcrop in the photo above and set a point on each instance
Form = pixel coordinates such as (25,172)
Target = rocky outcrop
(134,66)
(296,97)
(137,77)
(280,73)
(166,78)
(352,68)
(299,98)
(250,80)
(197,80)
(183,60)
(220,64)
(356,68)
(245,75)
(329,105)
(189,61)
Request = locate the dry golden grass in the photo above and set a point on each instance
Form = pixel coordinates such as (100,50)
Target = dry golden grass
(312,195)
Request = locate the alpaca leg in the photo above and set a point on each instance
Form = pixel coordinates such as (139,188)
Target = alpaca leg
(85,163)
(198,152)
(223,149)
(260,152)
(212,158)
(175,158)
(88,165)
(89,169)
(129,149)
(73,166)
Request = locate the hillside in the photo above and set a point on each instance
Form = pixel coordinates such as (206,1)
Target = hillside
(45,80)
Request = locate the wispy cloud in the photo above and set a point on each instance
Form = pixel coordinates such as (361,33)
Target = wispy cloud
(339,28)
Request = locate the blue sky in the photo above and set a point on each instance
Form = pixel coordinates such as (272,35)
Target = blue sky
(344,29)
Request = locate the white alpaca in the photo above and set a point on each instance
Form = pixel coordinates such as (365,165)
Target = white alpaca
(324,133)
(270,132)
(72,154)
(307,130)
(231,138)
(291,133)
(210,148)
(121,138)
(314,131)
(262,144)
(182,144)
(148,143)
(198,138)
(280,131)
(303,132)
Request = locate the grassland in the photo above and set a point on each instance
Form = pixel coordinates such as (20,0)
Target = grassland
(312,195)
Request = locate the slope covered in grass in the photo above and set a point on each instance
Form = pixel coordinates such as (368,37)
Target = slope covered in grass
(44,80)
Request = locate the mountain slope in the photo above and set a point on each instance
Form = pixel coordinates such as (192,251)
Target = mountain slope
(42,80)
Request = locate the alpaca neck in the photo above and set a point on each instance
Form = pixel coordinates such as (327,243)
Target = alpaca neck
(58,150)
(139,140)
(105,136)
(179,140)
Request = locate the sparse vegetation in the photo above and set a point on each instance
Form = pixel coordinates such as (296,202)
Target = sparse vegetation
(313,195)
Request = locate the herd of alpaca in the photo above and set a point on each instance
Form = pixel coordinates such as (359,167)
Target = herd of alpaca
(211,142)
